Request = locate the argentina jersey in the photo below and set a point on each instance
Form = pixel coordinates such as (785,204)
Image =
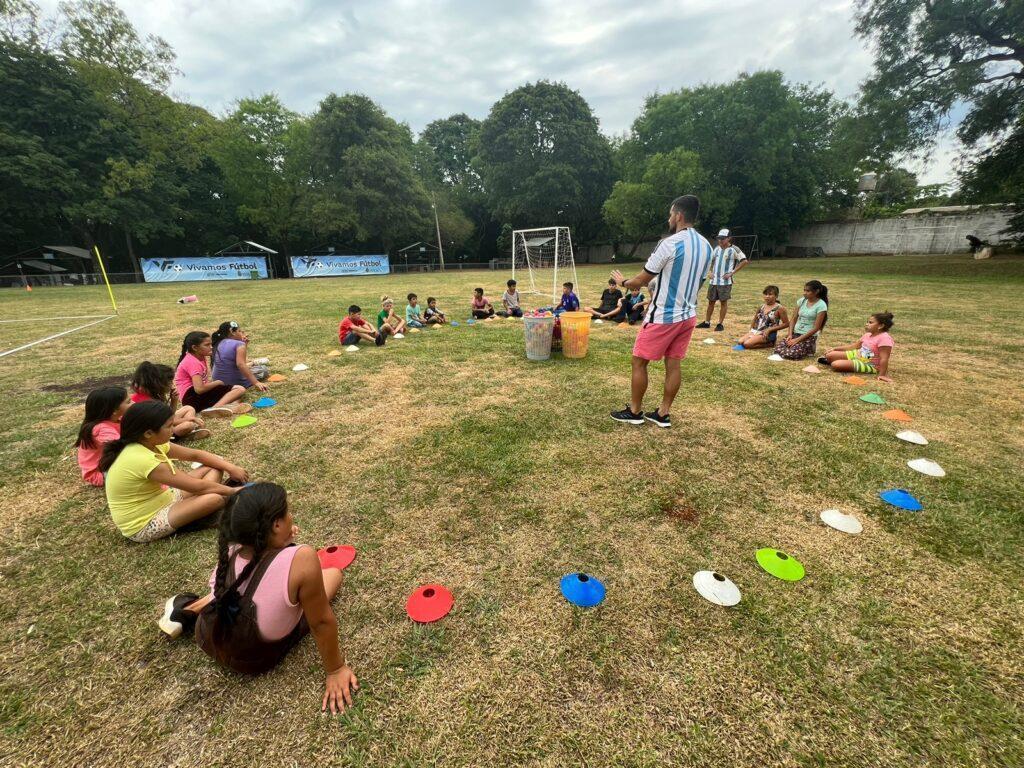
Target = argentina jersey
(724,262)
(679,264)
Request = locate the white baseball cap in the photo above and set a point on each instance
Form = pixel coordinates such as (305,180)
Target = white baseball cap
(723,233)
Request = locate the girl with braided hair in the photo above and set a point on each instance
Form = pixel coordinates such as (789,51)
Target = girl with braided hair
(266,594)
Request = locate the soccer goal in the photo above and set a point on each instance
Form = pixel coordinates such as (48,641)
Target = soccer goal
(546,255)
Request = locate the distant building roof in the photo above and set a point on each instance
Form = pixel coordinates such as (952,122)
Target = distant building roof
(951,209)
(70,250)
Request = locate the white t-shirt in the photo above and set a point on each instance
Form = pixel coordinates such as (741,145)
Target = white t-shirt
(679,263)
(723,261)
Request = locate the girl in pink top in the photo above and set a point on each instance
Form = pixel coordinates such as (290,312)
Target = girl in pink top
(291,598)
(871,354)
(104,408)
(192,380)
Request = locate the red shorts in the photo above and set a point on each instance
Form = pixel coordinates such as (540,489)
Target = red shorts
(658,340)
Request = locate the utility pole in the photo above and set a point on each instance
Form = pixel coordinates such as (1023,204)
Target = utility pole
(440,248)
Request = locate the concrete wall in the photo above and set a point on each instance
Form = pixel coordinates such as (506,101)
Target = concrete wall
(906,234)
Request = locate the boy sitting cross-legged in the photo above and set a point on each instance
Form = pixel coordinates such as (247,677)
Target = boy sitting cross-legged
(355,328)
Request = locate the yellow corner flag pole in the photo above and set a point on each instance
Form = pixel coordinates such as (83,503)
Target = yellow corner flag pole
(105,280)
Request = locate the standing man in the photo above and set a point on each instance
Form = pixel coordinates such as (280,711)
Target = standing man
(679,263)
(726,261)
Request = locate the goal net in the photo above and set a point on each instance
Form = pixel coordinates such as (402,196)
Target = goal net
(546,256)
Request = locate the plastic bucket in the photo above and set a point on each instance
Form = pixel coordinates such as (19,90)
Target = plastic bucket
(575,333)
(538,337)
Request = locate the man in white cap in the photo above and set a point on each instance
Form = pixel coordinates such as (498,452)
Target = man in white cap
(726,261)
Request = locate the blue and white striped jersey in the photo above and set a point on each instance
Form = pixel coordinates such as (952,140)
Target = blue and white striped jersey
(679,263)
(723,261)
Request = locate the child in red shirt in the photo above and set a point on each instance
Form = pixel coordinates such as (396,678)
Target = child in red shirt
(354,328)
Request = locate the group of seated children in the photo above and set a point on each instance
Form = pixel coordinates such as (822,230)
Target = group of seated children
(355,328)
(266,592)
(125,443)
(870,354)
(618,308)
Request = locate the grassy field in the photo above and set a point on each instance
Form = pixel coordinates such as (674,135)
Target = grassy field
(496,476)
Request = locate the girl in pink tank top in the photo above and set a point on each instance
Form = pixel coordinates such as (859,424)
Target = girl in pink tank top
(266,594)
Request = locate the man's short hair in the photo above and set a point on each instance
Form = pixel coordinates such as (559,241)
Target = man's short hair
(567,285)
(430,299)
(355,308)
(411,296)
(510,283)
(689,206)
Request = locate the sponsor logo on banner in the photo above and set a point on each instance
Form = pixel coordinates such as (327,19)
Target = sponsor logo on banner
(336,266)
(204,268)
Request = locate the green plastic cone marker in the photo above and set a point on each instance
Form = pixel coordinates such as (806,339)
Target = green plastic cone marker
(244,420)
(871,397)
(780,565)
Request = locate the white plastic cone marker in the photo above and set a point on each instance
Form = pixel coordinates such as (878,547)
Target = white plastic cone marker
(599,321)
(709,341)
(352,348)
(399,335)
(926,467)
(300,367)
(262,361)
(833,518)
(910,436)
(196,464)
(776,358)
(716,588)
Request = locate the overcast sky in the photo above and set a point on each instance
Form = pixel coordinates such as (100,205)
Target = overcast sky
(424,60)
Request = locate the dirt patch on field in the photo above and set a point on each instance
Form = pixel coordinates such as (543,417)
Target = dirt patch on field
(87,385)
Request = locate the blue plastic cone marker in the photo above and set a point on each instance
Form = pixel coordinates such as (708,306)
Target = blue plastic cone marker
(738,347)
(453,324)
(901,499)
(582,590)
(265,402)
(470,321)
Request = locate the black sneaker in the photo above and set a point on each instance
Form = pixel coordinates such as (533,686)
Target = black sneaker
(705,324)
(176,620)
(719,327)
(379,339)
(657,419)
(823,361)
(626,416)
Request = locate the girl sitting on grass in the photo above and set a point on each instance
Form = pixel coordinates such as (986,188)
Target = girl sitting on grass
(192,380)
(147,496)
(156,382)
(871,354)
(267,593)
(104,408)
(230,365)
(387,321)
(769,319)
(806,323)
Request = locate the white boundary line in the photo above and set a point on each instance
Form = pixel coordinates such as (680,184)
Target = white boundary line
(54,336)
(44,319)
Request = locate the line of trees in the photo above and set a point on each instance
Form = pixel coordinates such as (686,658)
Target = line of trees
(93,149)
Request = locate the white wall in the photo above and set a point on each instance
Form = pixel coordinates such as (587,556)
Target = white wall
(908,234)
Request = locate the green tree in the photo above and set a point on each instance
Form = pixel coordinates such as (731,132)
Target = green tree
(543,160)
(935,58)
(448,146)
(638,210)
(55,142)
(263,150)
(364,160)
(776,153)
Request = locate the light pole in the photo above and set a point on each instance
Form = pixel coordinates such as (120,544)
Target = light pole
(440,248)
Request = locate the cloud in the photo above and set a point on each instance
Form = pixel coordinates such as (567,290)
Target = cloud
(422,60)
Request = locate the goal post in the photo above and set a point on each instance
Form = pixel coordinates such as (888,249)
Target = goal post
(546,255)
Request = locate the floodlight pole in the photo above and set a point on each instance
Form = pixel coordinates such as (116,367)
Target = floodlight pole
(437,224)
